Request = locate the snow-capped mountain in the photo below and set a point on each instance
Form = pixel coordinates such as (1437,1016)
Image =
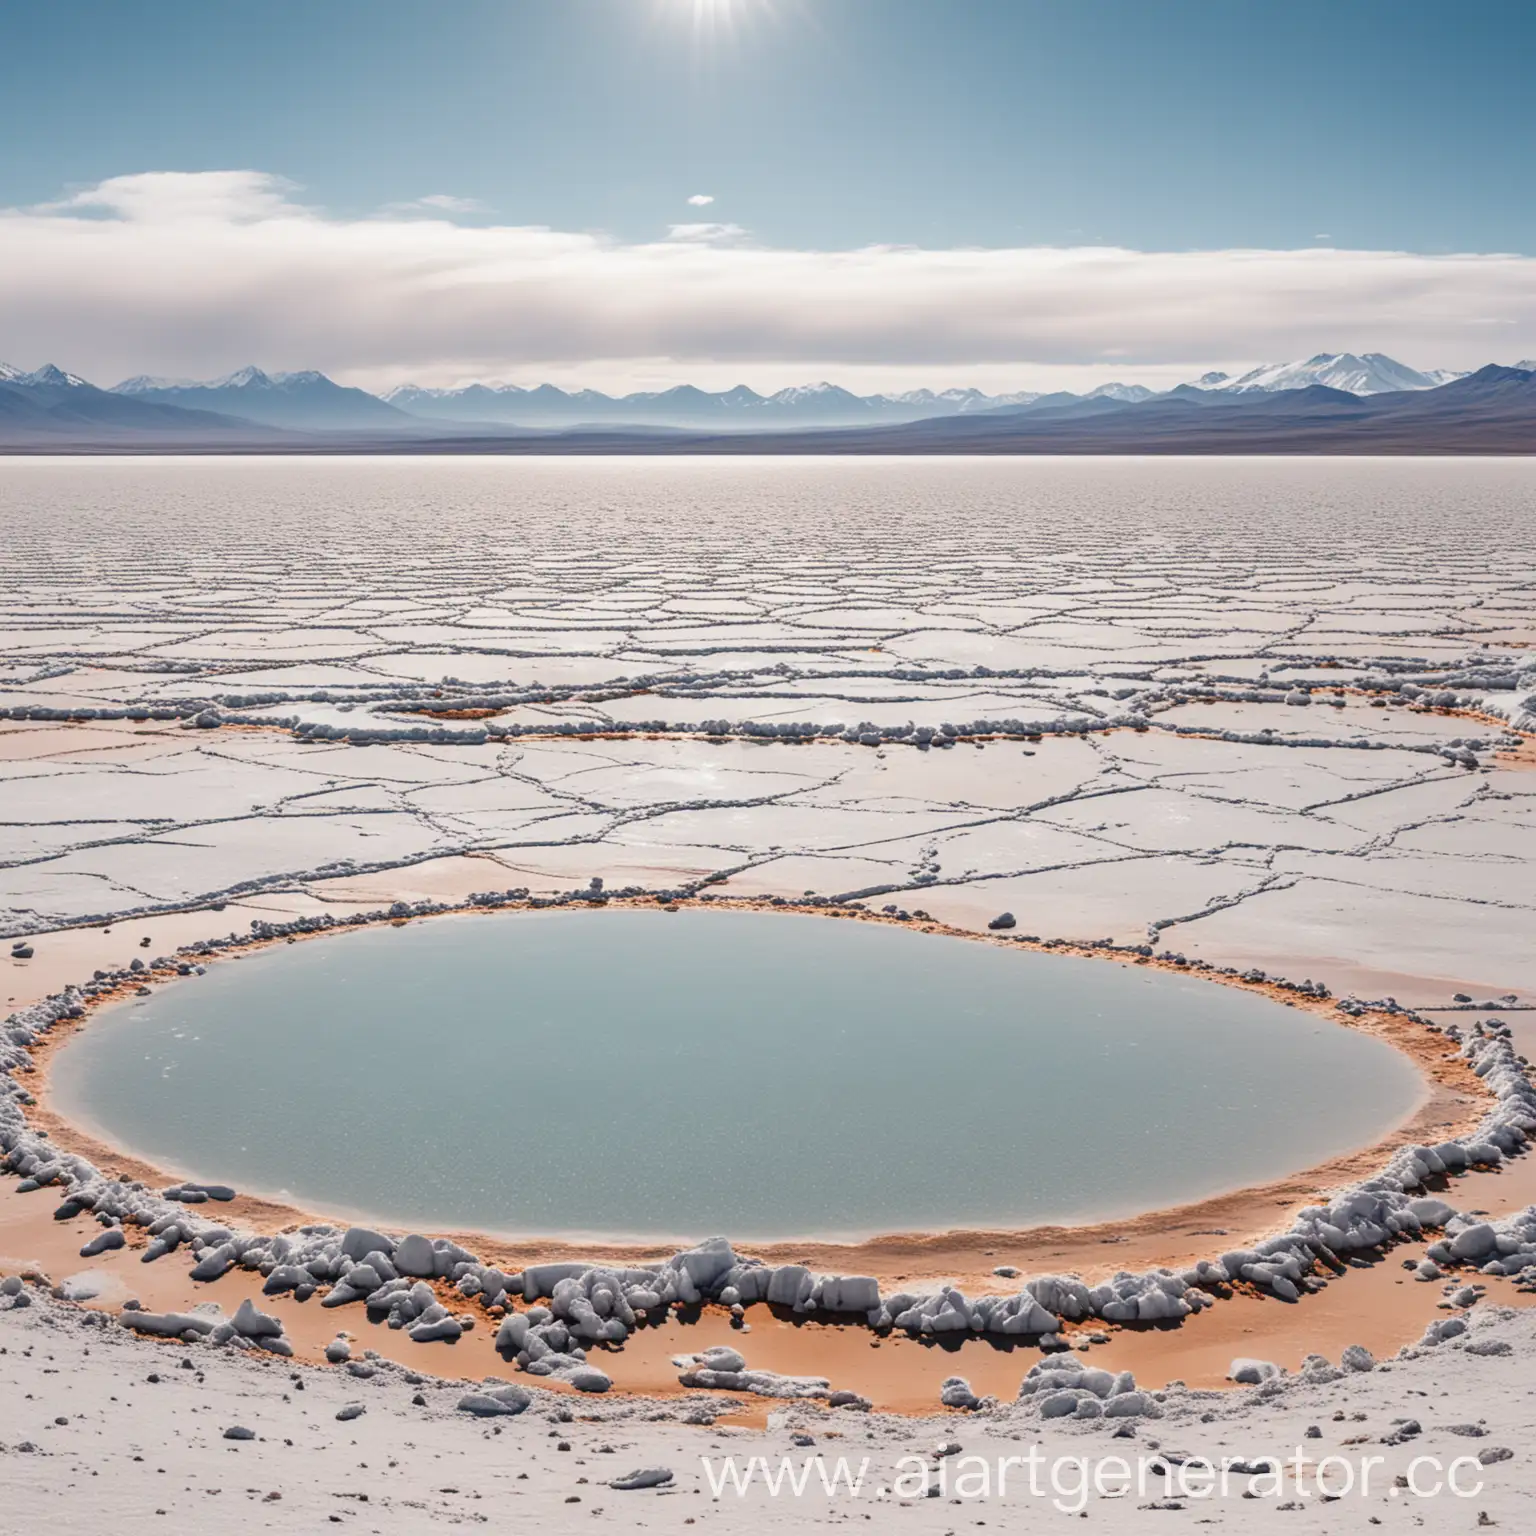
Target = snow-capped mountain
(46,377)
(1372,373)
(1293,408)
(48,405)
(308,401)
(685,406)
(829,405)
(1132,394)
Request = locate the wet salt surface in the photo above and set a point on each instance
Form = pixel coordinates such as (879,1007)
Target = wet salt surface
(649,1074)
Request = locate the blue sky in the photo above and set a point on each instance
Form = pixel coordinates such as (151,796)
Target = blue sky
(817,122)
(816,126)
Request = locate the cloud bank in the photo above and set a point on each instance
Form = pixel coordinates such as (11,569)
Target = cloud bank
(192,274)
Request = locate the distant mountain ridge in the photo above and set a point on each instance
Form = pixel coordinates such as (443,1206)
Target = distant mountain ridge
(685,405)
(49,406)
(305,401)
(828,405)
(1371,373)
(1492,411)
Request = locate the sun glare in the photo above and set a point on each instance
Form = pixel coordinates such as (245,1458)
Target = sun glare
(722,27)
(713,16)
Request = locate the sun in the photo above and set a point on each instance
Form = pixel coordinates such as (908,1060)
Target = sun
(717,31)
(713,16)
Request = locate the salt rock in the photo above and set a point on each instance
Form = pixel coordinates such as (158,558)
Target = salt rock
(351,1411)
(215,1263)
(167,1325)
(1445,1328)
(359,1242)
(707,1265)
(499,1401)
(1475,1242)
(847,1293)
(1021,1314)
(1490,1347)
(380,1264)
(437,1330)
(762,1384)
(722,1358)
(239,1432)
(415,1257)
(513,1333)
(362,1279)
(104,1242)
(956,1393)
(1357,1358)
(1069,1373)
(1251,1373)
(338,1351)
(644,1477)
(210,1191)
(251,1324)
(790,1286)
(541,1279)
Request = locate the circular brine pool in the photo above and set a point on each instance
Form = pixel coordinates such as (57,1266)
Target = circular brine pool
(647,1074)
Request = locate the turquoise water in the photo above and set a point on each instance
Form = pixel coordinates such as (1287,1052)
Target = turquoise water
(757,1074)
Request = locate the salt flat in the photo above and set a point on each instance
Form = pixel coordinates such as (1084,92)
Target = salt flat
(1268,714)
(125,1436)
(798,600)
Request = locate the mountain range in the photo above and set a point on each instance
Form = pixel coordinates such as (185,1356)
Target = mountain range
(1371,373)
(306,401)
(1359,396)
(49,407)
(1492,411)
(738,409)
(827,405)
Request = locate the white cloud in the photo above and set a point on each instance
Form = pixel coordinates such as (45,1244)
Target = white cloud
(700,200)
(705,232)
(191,274)
(438,202)
(180,197)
